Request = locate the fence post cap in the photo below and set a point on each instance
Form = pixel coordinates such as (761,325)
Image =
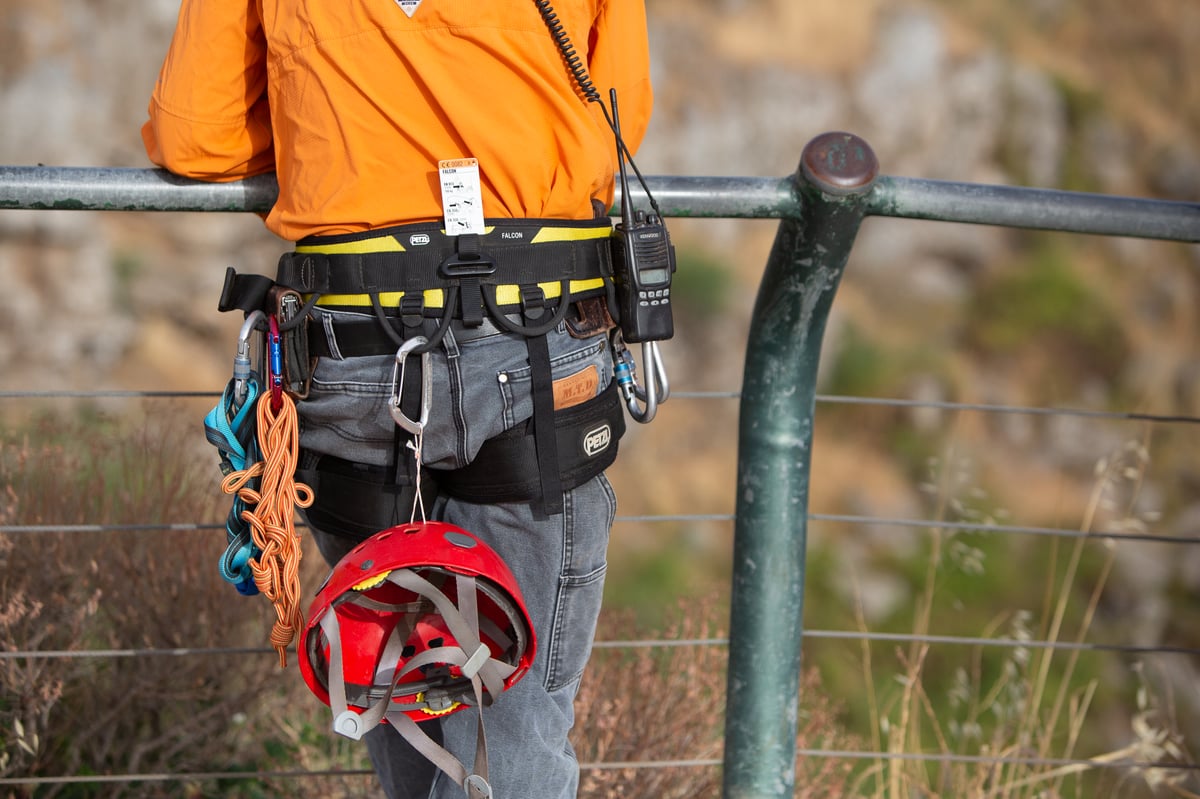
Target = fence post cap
(839,163)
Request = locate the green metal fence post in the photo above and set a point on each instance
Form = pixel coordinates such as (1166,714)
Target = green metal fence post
(837,171)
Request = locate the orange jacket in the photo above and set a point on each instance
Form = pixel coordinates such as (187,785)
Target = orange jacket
(353,103)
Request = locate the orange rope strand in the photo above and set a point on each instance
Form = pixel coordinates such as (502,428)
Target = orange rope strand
(269,512)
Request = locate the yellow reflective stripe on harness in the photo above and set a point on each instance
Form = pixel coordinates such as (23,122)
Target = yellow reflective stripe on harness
(392,244)
(379,244)
(548,234)
(508,294)
(434,298)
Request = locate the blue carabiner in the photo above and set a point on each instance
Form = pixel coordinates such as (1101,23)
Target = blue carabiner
(275,363)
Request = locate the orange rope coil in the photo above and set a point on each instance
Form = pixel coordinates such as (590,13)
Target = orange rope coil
(269,512)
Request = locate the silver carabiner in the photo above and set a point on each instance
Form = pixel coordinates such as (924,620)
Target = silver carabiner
(642,403)
(657,388)
(241,361)
(414,426)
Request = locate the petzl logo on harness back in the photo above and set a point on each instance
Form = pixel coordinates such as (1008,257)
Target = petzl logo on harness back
(596,441)
(409,6)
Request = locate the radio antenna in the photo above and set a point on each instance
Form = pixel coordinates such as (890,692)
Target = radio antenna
(626,202)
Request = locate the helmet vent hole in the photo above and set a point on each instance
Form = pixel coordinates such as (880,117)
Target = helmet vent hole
(436,642)
(408,651)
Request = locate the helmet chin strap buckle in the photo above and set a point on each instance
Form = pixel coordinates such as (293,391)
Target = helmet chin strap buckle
(349,724)
(477,787)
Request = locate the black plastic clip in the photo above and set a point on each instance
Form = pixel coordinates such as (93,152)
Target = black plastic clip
(412,309)
(465,268)
(459,266)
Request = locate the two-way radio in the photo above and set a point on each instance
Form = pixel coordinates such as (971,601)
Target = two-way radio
(643,256)
(643,261)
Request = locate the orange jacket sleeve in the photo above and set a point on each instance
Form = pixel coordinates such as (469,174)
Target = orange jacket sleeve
(209,115)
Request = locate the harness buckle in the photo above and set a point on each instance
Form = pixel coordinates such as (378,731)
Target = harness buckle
(533,299)
(461,265)
(412,309)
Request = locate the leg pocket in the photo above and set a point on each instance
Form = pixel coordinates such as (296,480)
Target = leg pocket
(579,599)
(589,514)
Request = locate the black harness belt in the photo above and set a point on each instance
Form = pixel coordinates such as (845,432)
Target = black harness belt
(409,259)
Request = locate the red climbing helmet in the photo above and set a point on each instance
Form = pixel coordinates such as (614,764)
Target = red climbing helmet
(421,619)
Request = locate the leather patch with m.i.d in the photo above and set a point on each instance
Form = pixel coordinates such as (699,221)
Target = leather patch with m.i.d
(575,389)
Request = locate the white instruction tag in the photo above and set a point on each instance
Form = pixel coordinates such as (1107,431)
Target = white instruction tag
(409,6)
(462,199)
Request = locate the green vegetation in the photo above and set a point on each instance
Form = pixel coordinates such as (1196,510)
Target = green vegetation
(127,269)
(1041,304)
(861,367)
(701,286)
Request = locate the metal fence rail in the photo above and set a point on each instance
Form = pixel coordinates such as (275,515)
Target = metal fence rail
(821,208)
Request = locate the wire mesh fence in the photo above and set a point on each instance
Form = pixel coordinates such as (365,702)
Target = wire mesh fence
(995,664)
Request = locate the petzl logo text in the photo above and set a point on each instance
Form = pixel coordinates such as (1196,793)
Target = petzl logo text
(597,441)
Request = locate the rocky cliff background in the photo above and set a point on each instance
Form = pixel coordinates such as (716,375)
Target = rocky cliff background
(1044,93)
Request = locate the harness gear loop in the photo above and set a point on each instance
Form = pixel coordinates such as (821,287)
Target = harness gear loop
(269,512)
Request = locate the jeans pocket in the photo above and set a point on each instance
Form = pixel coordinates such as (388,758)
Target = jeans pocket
(579,600)
(586,359)
(590,510)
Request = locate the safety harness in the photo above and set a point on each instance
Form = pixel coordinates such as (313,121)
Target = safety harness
(526,277)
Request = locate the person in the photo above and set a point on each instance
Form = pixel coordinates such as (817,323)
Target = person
(362,109)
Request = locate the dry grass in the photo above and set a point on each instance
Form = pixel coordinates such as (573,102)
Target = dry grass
(666,705)
(158,589)
(1033,712)
(151,589)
